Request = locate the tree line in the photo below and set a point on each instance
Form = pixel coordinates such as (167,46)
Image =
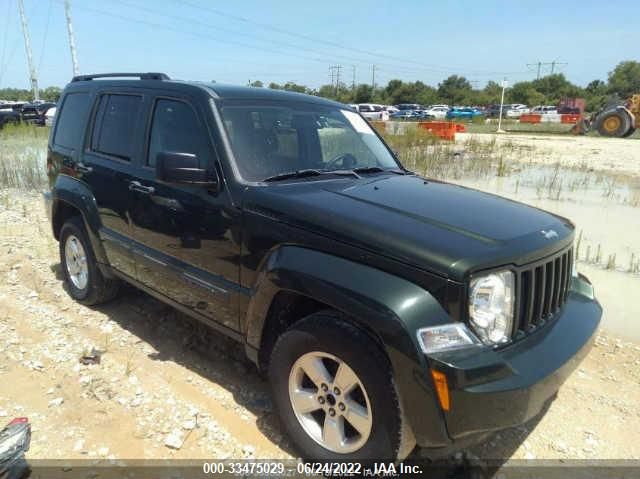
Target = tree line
(622,82)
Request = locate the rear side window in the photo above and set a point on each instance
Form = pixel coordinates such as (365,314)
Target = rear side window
(71,120)
(176,129)
(114,129)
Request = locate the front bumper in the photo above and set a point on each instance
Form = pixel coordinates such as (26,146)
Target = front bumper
(497,389)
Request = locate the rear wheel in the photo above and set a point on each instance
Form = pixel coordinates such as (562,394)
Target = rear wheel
(85,282)
(614,123)
(333,390)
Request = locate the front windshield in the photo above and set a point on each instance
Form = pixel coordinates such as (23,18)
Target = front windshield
(271,138)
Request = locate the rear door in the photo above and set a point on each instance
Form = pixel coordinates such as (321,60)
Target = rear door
(187,236)
(114,145)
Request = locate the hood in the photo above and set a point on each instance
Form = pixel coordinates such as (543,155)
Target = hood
(444,228)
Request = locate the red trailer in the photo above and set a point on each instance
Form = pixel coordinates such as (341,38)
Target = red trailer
(571,105)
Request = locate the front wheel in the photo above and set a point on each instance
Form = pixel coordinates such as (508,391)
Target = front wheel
(333,390)
(613,123)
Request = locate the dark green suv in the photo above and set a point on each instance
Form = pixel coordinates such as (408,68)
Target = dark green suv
(388,309)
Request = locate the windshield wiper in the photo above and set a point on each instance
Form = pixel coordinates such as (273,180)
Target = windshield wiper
(310,172)
(377,169)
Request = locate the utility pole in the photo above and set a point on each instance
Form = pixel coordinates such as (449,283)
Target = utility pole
(553,65)
(539,65)
(373,78)
(353,81)
(72,41)
(332,75)
(504,85)
(334,72)
(27,47)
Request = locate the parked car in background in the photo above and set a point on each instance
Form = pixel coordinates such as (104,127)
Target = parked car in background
(34,112)
(516,110)
(390,109)
(408,106)
(8,115)
(463,113)
(438,111)
(544,110)
(493,111)
(405,115)
(423,114)
(49,116)
(372,111)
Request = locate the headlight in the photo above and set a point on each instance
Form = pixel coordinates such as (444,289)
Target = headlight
(446,336)
(491,306)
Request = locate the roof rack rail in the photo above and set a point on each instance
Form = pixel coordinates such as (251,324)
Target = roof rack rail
(141,76)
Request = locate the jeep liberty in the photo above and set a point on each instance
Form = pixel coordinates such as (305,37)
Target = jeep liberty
(388,310)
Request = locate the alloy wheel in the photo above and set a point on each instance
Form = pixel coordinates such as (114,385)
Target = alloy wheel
(330,402)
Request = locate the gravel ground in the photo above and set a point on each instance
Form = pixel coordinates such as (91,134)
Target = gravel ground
(136,379)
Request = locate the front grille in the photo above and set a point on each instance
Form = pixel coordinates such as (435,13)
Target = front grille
(542,290)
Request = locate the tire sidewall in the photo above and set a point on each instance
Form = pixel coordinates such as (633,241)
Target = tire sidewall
(374,374)
(73,227)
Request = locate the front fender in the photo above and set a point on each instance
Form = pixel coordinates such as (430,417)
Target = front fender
(68,191)
(392,307)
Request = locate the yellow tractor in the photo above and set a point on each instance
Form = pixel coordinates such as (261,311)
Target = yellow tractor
(618,120)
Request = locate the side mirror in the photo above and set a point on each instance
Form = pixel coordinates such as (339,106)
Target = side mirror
(183,168)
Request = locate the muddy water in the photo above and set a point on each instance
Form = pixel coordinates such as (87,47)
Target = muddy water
(606,212)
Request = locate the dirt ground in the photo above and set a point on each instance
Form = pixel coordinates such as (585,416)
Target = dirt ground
(165,388)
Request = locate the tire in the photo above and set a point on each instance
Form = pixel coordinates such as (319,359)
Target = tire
(613,123)
(84,281)
(323,342)
(629,132)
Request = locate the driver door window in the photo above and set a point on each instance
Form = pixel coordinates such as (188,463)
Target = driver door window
(175,128)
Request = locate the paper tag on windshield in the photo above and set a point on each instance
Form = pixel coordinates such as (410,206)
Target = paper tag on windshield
(357,122)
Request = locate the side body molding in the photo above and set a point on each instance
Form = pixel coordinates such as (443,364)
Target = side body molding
(389,306)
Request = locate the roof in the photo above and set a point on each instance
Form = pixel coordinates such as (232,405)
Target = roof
(244,92)
(223,91)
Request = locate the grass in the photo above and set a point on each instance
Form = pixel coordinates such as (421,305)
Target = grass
(22,156)
(420,151)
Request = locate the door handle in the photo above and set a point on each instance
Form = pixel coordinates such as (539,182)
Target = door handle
(82,168)
(136,186)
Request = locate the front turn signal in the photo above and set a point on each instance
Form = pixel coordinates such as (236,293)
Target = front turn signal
(442,389)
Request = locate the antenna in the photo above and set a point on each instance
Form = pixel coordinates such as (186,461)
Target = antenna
(72,41)
(27,47)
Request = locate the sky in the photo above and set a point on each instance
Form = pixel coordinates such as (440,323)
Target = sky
(278,41)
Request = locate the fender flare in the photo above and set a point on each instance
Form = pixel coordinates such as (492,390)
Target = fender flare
(391,307)
(72,192)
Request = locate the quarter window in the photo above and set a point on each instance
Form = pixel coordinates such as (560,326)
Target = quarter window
(176,129)
(115,123)
(71,120)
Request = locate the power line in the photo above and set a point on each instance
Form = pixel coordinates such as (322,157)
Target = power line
(296,46)
(434,68)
